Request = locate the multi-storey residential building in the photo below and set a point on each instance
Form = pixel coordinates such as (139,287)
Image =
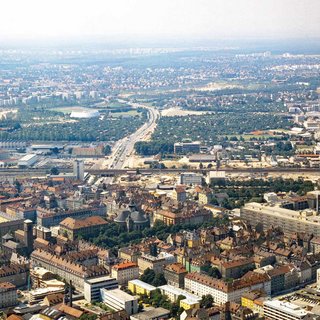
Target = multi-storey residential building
(21,211)
(125,271)
(223,291)
(155,263)
(8,295)
(129,253)
(16,274)
(179,193)
(10,226)
(205,196)
(174,274)
(290,221)
(72,228)
(233,268)
(66,269)
(254,301)
(147,261)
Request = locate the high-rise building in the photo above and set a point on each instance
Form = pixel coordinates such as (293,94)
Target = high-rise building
(78,169)
(28,235)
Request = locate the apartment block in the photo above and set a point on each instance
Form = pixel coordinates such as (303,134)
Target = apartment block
(125,271)
(290,221)
(223,291)
(8,295)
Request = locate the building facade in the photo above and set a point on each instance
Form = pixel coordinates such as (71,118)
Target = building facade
(222,291)
(8,295)
(290,221)
(125,272)
(117,299)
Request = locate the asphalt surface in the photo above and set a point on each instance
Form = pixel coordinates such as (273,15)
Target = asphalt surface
(125,147)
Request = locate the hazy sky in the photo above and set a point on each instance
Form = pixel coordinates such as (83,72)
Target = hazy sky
(212,19)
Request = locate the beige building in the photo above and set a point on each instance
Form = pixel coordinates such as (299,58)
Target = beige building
(66,269)
(125,272)
(290,221)
(147,261)
(72,228)
(8,295)
(223,291)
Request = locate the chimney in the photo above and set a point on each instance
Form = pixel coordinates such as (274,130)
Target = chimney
(70,294)
(28,235)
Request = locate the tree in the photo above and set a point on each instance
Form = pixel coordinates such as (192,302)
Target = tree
(88,317)
(54,171)
(106,150)
(206,301)
(18,185)
(55,150)
(159,280)
(214,272)
(148,276)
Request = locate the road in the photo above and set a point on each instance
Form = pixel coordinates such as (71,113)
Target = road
(114,172)
(227,170)
(125,147)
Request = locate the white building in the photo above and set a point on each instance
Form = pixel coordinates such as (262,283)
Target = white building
(40,293)
(215,175)
(173,293)
(270,197)
(85,114)
(93,286)
(117,299)
(188,178)
(28,160)
(94,95)
(223,292)
(280,310)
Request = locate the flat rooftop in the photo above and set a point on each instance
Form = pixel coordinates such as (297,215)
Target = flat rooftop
(307,215)
(142,284)
(119,295)
(286,307)
(155,313)
(28,157)
(100,279)
(178,291)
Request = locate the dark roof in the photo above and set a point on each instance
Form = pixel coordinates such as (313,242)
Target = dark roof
(8,236)
(123,215)
(137,216)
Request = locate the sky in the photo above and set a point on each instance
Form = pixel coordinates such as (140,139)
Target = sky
(207,19)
